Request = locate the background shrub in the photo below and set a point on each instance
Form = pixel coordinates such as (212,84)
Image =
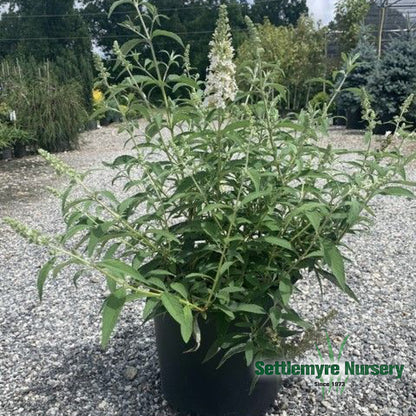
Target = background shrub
(394,78)
(349,103)
(51,112)
(299,53)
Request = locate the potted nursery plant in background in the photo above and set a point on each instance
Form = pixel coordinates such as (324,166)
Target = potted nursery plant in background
(227,205)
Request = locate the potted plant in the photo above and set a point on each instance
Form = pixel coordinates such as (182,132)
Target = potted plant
(226,206)
(5,145)
(13,138)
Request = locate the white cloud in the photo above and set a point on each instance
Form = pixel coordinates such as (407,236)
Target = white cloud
(322,10)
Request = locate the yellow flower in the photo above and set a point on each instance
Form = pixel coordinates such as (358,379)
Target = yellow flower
(97,96)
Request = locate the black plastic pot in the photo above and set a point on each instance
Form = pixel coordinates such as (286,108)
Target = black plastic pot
(190,386)
(19,150)
(354,120)
(382,129)
(7,153)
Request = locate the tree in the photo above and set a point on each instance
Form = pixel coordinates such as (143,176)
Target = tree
(279,12)
(349,102)
(51,31)
(297,50)
(349,17)
(194,21)
(395,77)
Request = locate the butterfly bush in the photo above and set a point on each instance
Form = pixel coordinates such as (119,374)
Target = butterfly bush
(225,206)
(221,85)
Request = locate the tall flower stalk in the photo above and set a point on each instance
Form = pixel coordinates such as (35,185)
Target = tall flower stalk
(221,85)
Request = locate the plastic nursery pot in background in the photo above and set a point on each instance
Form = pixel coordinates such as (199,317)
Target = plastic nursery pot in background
(6,153)
(192,386)
(354,120)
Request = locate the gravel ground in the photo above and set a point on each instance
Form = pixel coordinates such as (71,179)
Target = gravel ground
(50,359)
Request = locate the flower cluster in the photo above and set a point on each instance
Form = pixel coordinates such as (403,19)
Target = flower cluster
(60,167)
(97,96)
(221,84)
(34,236)
(255,38)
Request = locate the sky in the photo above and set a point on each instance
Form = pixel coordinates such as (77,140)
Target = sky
(322,10)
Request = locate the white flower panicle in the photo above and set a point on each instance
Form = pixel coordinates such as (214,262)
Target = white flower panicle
(221,85)
(255,38)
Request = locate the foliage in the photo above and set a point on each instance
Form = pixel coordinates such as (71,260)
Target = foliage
(320,100)
(194,21)
(297,53)
(349,17)
(224,210)
(10,135)
(395,77)
(350,101)
(51,112)
(279,12)
(4,113)
(51,31)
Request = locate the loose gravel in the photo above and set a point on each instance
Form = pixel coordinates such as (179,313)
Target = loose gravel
(51,362)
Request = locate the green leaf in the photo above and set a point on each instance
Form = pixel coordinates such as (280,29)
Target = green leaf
(212,351)
(332,279)
(397,191)
(314,218)
(226,311)
(167,34)
(173,307)
(334,260)
(70,232)
(249,307)
(182,80)
(241,124)
(230,352)
(276,241)
(111,284)
(225,267)
(180,288)
(110,313)
(43,274)
(285,289)
(129,45)
(255,195)
(116,4)
(292,316)
(187,324)
(77,275)
(284,332)
(249,352)
(255,178)
(120,268)
(95,235)
(354,212)
(149,307)
(275,314)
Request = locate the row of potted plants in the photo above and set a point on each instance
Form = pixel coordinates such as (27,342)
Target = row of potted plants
(13,141)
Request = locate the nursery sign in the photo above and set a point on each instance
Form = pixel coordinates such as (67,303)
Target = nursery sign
(332,375)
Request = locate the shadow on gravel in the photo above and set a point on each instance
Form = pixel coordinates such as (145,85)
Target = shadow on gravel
(89,381)
(23,179)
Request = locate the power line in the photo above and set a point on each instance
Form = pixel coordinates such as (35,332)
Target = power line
(81,13)
(108,36)
(125,13)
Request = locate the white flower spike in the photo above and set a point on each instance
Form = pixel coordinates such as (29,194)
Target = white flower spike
(221,85)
